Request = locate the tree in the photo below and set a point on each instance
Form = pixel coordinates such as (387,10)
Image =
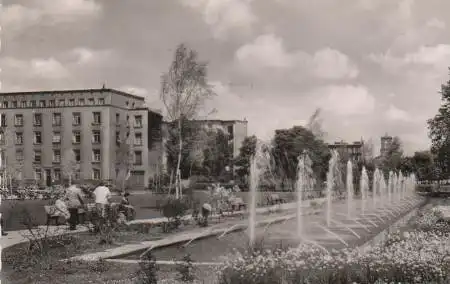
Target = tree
(242,161)
(124,155)
(218,153)
(70,165)
(289,144)
(315,124)
(423,165)
(184,90)
(439,131)
(393,158)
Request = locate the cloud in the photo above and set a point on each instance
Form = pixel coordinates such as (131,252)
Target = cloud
(138,91)
(394,113)
(85,55)
(45,68)
(437,57)
(269,51)
(332,64)
(346,100)
(16,18)
(224,16)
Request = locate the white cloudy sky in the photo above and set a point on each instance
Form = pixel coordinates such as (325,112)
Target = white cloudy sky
(374,66)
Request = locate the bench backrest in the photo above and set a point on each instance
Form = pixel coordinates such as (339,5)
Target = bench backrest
(274,196)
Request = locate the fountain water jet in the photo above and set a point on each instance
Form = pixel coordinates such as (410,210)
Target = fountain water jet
(350,189)
(305,183)
(364,186)
(331,179)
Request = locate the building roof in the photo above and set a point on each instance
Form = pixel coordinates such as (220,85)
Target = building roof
(101,90)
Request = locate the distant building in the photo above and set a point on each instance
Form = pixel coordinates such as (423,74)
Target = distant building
(355,150)
(44,126)
(386,142)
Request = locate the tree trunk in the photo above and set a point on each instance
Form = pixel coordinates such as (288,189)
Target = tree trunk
(171,181)
(178,174)
(70,179)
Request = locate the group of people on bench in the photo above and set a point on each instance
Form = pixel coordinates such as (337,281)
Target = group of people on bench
(72,200)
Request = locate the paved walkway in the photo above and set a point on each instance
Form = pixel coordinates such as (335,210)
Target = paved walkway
(21,236)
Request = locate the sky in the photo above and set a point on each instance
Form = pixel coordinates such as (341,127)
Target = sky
(372,66)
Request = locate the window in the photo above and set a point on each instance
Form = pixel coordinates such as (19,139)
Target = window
(56,156)
(91,102)
(56,120)
(138,121)
(37,156)
(230,129)
(14,104)
(37,119)
(127,103)
(71,102)
(56,174)
(96,174)
(77,175)
(38,174)
(5,104)
(23,104)
(51,103)
(33,103)
(37,139)
(76,137)
(77,155)
(81,102)
(18,120)
(96,155)
(2,138)
(3,118)
(19,138)
(138,139)
(42,103)
(56,137)
(76,118)
(101,101)
(132,105)
(96,139)
(62,102)
(97,118)
(19,155)
(117,118)
(117,136)
(137,157)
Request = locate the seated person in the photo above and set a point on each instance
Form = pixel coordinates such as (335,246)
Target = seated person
(126,207)
(61,208)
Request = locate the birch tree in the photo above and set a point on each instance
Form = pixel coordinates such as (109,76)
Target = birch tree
(70,165)
(124,155)
(184,89)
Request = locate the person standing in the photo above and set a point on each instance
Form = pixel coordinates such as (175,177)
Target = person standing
(74,197)
(102,198)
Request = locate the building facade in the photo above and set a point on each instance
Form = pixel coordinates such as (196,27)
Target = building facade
(48,134)
(354,151)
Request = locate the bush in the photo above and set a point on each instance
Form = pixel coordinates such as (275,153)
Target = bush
(148,270)
(174,209)
(186,270)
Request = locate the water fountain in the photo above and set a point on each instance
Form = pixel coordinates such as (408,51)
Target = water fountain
(350,189)
(364,187)
(258,164)
(376,187)
(305,183)
(390,186)
(331,181)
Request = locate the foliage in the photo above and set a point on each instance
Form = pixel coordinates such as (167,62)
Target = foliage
(439,131)
(174,209)
(289,144)
(393,158)
(242,162)
(416,257)
(148,270)
(424,165)
(184,90)
(218,154)
(186,269)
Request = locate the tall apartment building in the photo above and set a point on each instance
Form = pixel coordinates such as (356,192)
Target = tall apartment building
(45,130)
(354,150)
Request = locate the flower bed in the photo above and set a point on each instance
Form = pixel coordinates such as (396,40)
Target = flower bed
(420,256)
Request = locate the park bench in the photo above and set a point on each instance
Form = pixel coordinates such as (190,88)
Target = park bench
(237,204)
(274,199)
(52,214)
